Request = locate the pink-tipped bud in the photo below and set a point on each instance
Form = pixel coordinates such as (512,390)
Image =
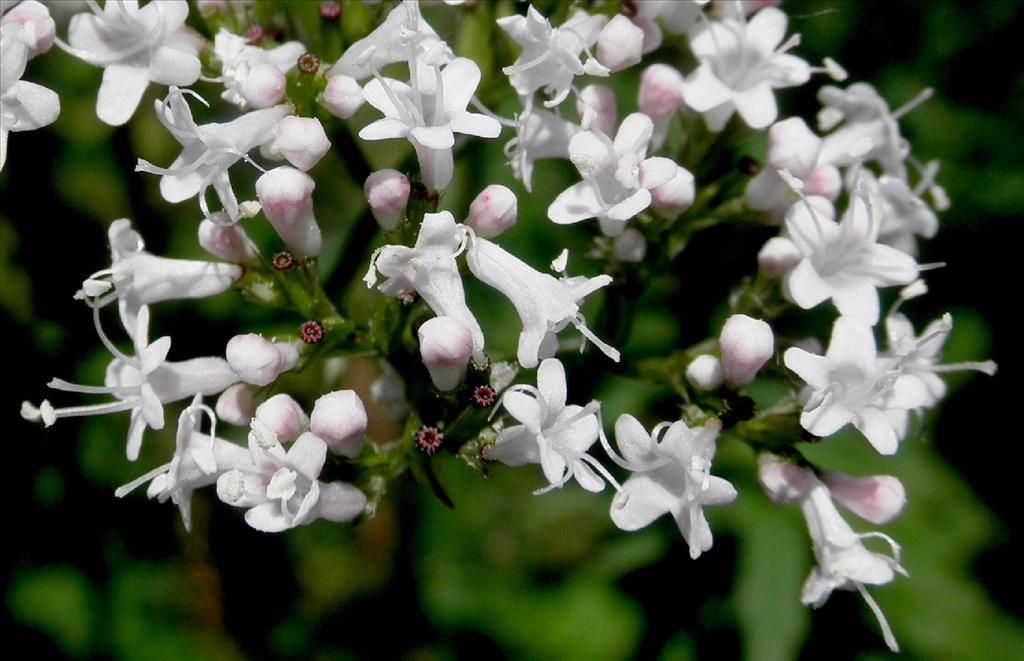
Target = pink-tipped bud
(38,28)
(287,198)
(340,419)
(236,405)
(778,256)
(229,243)
(705,372)
(264,86)
(661,91)
(445,346)
(493,211)
(301,140)
(255,359)
(283,416)
(601,99)
(343,96)
(674,196)
(747,344)
(620,44)
(878,499)
(387,192)
(782,481)
(824,181)
(793,146)
(630,246)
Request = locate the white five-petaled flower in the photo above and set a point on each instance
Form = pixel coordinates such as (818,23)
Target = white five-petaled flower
(617,176)
(142,383)
(430,270)
(539,134)
(197,462)
(208,150)
(430,121)
(741,62)
(545,304)
(670,476)
(551,56)
(24,106)
(844,563)
(905,216)
(550,433)
(843,261)
(280,489)
(135,46)
(851,384)
(793,147)
(253,76)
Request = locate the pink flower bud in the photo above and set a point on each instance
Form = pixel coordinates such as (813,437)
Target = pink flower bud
(236,405)
(343,96)
(778,256)
(652,33)
(264,86)
(445,345)
(340,419)
(620,44)
(630,246)
(287,198)
(255,359)
(675,196)
(793,146)
(229,243)
(38,28)
(493,211)
(387,192)
(602,100)
(747,344)
(661,91)
(301,140)
(705,372)
(878,499)
(782,481)
(824,181)
(283,416)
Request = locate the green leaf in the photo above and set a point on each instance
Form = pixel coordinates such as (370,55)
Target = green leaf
(58,601)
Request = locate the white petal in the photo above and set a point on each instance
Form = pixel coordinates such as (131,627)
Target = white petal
(576,203)
(756,106)
(878,430)
(814,370)
(806,287)
(308,454)
(171,66)
(267,517)
(640,502)
(525,409)
(384,129)
(120,92)
(470,123)
(460,79)
(433,137)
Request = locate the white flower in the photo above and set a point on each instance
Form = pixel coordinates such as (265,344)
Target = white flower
(430,121)
(281,489)
(253,76)
(24,106)
(430,270)
(197,462)
(671,476)
(617,176)
(904,215)
(545,305)
(792,147)
(208,151)
(741,63)
(843,261)
(142,384)
(551,56)
(539,134)
(37,27)
(850,384)
(550,433)
(135,47)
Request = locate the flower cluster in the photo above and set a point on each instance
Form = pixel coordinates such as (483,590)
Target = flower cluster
(845,206)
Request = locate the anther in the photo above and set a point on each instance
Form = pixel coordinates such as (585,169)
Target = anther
(283,260)
(483,396)
(311,332)
(308,63)
(428,439)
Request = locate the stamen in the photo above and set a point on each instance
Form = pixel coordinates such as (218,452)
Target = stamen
(125,489)
(925,94)
(887,634)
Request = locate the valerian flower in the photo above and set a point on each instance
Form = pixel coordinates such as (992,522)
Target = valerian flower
(24,106)
(793,147)
(539,134)
(135,46)
(670,476)
(253,76)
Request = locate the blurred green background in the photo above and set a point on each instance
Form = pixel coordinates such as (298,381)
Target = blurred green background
(504,573)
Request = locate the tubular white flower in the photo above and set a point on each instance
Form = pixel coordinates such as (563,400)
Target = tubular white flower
(793,147)
(135,46)
(539,134)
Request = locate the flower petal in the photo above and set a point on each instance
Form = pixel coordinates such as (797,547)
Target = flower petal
(120,92)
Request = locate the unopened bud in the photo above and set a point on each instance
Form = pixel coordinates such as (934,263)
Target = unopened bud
(674,196)
(620,43)
(236,405)
(255,359)
(793,146)
(705,372)
(287,198)
(445,346)
(340,419)
(778,256)
(630,246)
(878,499)
(747,344)
(38,28)
(301,140)
(493,211)
(283,416)
(228,243)
(387,193)
(783,482)
(601,99)
(824,181)
(343,96)
(661,91)
(263,87)
(652,33)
